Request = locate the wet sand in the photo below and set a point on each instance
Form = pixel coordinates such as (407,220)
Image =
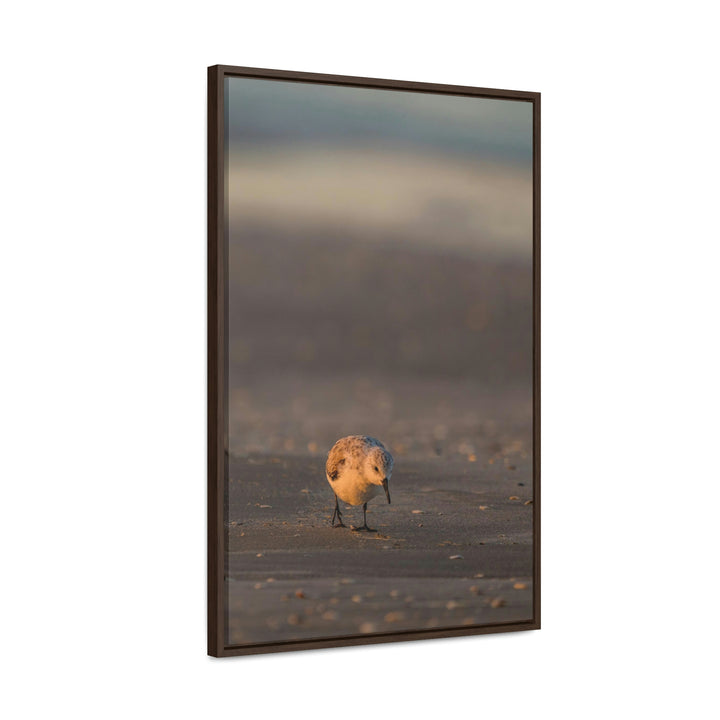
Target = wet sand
(453,549)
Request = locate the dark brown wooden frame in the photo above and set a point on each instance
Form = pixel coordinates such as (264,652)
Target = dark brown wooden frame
(218,360)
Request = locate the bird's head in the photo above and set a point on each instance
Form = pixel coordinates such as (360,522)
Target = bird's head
(378,468)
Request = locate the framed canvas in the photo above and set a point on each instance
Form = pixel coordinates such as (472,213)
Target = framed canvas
(373,360)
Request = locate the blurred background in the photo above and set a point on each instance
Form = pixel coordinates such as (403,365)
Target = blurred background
(380,269)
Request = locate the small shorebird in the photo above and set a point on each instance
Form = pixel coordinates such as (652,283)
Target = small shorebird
(357,467)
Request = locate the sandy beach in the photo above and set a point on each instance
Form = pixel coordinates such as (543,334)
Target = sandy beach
(453,549)
(436,363)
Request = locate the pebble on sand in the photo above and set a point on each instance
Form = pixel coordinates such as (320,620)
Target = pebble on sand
(367,627)
(497,602)
(394,617)
(520,586)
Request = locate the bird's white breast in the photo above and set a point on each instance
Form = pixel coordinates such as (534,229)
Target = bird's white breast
(351,487)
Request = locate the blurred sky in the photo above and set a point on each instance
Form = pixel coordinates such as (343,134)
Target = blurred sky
(450,172)
(268,111)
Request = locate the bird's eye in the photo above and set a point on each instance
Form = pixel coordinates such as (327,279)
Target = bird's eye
(376,470)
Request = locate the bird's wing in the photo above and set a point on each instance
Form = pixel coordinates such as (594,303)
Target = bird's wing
(334,462)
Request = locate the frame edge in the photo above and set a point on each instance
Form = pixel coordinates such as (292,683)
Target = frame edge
(536,361)
(216,645)
(215,320)
(382,83)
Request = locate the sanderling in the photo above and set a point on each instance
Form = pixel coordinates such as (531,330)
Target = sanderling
(357,467)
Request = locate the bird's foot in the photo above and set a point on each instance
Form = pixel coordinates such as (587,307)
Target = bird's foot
(339,524)
(363,528)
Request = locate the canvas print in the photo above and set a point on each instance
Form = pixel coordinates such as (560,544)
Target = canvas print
(380,364)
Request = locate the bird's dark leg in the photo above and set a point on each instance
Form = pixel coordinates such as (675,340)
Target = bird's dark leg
(364,525)
(339,516)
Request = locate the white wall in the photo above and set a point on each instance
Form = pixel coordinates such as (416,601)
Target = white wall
(102,290)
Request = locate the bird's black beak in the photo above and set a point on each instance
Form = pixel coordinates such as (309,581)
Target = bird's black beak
(385,488)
